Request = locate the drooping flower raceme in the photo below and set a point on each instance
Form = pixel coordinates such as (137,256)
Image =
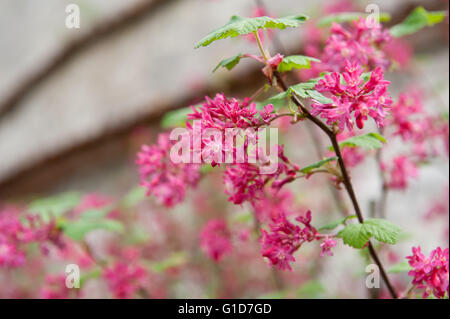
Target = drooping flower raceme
(284,238)
(430,274)
(16,232)
(353,101)
(124,279)
(244,181)
(166,180)
(401,171)
(215,239)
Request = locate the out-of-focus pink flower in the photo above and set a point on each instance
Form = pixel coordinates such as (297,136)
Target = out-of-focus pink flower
(55,288)
(215,239)
(401,172)
(360,44)
(354,100)
(327,245)
(338,6)
(125,279)
(430,274)
(352,155)
(272,203)
(284,238)
(164,179)
(16,232)
(399,51)
(440,206)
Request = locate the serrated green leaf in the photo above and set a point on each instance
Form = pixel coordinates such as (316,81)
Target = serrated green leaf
(354,236)
(176,118)
(277,104)
(78,229)
(400,267)
(382,230)
(417,20)
(54,206)
(239,26)
(349,16)
(309,168)
(333,225)
(229,63)
(304,90)
(368,141)
(317,96)
(296,62)
(357,235)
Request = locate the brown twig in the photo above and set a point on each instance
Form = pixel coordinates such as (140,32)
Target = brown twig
(345,177)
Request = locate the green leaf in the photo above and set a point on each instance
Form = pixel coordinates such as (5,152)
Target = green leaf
(400,267)
(176,259)
(134,197)
(311,289)
(309,168)
(333,225)
(296,62)
(357,235)
(239,25)
(78,229)
(229,63)
(277,104)
(349,16)
(417,20)
(304,90)
(354,236)
(95,273)
(382,230)
(176,118)
(368,141)
(54,206)
(317,96)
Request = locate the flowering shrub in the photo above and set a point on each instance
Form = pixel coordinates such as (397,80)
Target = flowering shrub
(135,248)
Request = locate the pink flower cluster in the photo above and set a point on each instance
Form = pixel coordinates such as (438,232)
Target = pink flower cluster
(166,180)
(361,44)
(244,181)
(401,171)
(285,238)
(55,288)
(410,121)
(14,233)
(215,239)
(125,279)
(353,100)
(221,113)
(430,274)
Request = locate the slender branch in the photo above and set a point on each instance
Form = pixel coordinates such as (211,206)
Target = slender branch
(345,177)
(381,207)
